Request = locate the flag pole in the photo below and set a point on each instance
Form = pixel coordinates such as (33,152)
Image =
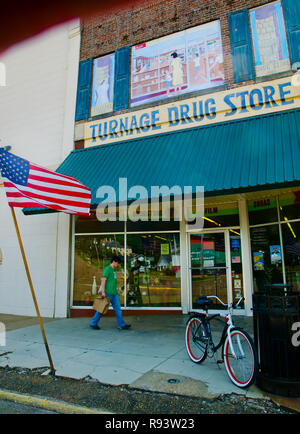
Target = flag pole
(32,290)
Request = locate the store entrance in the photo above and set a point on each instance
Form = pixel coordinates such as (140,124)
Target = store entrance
(216,266)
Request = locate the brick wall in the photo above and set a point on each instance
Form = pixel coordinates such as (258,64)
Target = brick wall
(103,34)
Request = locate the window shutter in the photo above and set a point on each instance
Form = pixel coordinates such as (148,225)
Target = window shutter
(291,10)
(84,89)
(121,87)
(241,46)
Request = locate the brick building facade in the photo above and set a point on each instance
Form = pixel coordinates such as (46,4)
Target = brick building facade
(104,34)
(188,93)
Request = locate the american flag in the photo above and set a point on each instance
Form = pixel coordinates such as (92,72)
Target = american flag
(293,247)
(29,185)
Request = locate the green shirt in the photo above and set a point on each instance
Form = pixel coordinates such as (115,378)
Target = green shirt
(111,280)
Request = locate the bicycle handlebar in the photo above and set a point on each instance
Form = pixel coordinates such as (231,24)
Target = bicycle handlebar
(226,304)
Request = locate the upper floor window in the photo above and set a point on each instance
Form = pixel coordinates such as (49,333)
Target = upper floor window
(269,38)
(183,62)
(103,85)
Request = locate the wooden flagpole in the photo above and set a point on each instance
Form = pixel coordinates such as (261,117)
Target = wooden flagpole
(31,289)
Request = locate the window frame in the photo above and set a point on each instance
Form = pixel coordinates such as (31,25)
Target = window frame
(95,116)
(271,75)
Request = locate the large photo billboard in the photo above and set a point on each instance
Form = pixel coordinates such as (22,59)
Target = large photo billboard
(180,63)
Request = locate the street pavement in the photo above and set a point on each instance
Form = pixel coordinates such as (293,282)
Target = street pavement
(9,407)
(150,356)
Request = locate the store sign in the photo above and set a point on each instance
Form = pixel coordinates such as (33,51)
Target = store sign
(165,249)
(261,203)
(243,102)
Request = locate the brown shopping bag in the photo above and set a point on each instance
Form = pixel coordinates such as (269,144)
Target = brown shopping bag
(101,304)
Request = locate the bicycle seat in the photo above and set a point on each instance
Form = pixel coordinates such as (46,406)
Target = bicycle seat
(203,301)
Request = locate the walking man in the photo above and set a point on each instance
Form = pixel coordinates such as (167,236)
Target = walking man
(108,288)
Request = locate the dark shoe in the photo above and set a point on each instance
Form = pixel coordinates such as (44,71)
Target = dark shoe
(95,327)
(125,327)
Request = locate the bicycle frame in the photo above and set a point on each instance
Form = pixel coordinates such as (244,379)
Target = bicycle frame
(238,351)
(228,326)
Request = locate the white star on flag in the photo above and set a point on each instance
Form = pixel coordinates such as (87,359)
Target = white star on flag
(29,185)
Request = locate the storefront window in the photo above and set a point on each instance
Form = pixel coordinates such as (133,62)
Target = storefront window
(221,215)
(266,256)
(153,270)
(92,255)
(236,267)
(291,242)
(289,206)
(85,225)
(149,226)
(263,211)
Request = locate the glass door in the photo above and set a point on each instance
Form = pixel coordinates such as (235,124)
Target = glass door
(209,269)
(216,267)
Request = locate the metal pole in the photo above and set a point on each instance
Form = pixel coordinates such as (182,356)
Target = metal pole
(32,290)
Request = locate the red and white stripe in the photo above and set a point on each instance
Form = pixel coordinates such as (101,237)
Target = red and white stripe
(50,190)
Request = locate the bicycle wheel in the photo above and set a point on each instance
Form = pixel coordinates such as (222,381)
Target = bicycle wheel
(240,358)
(196,339)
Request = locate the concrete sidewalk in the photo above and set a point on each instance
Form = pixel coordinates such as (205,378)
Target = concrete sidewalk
(151,355)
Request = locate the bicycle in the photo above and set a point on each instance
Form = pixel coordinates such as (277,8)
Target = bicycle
(238,351)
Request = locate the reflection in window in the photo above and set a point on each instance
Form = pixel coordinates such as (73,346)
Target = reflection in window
(291,241)
(289,205)
(263,210)
(269,40)
(90,224)
(221,215)
(208,260)
(236,267)
(92,255)
(153,270)
(266,256)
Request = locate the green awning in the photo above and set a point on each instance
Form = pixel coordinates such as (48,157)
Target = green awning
(256,153)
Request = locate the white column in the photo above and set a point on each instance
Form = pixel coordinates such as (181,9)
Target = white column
(246,255)
(63,240)
(184,267)
(63,266)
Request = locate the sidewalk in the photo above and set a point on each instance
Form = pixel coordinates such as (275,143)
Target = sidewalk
(151,355)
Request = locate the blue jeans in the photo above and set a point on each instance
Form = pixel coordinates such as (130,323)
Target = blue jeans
(115,302)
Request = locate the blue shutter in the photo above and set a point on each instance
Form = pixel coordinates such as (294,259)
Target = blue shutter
(84,89)
(241,46)
(291,10)
(121,87)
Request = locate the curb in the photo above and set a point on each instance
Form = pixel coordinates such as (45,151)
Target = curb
(48,404)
